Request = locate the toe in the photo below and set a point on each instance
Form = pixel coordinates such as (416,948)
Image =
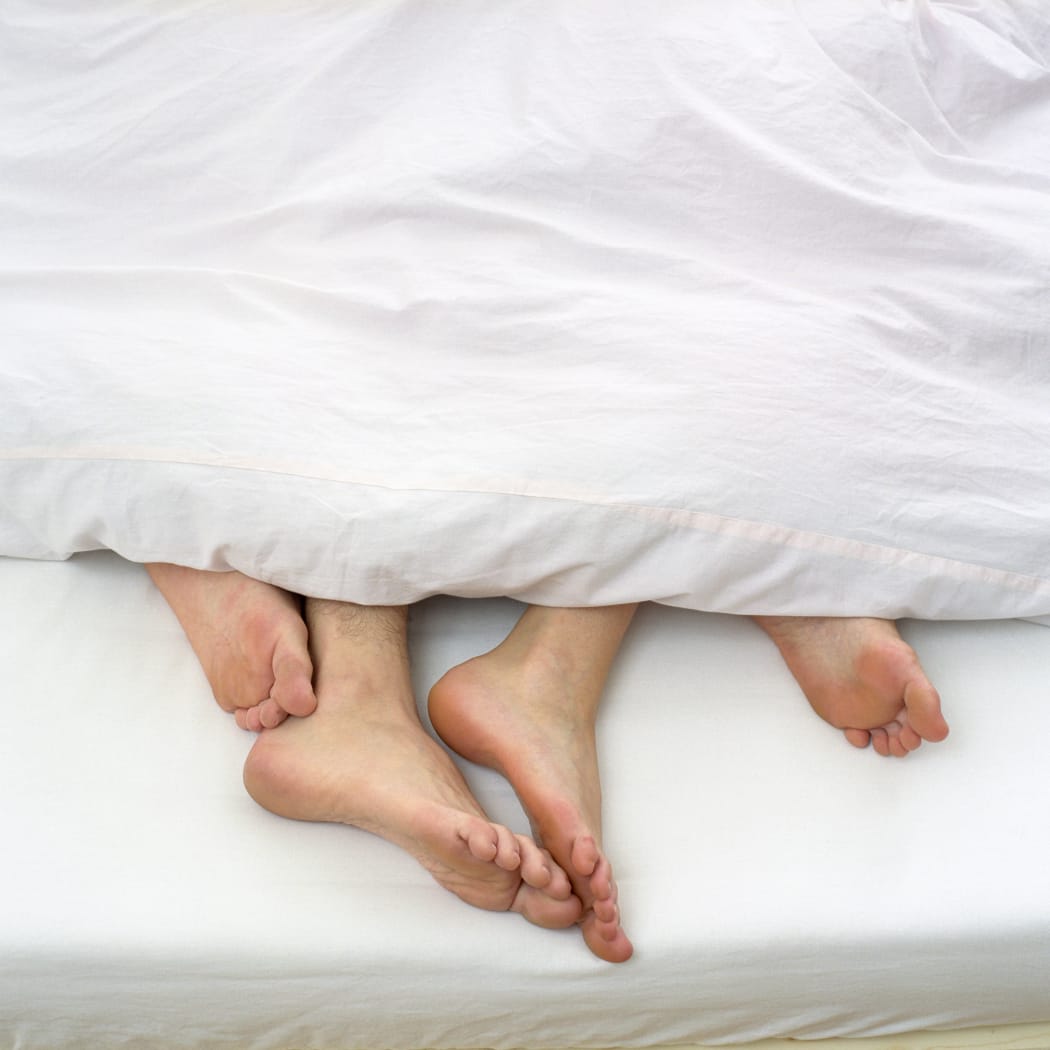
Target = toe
(543,910)
(292,688)
(606,911)
(615,948)
(910,740)
(897,748)
(498,844)
(923,704)
(584,856)
(480,839)
(880,741)
(270,714)
(602,885)
(535,866)
(608,926)
(559,886)
(248,718)
(858,737)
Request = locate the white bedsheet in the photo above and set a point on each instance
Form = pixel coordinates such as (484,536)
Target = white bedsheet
(774,880)
(737,308)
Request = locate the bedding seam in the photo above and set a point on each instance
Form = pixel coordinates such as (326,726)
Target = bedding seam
(767,533)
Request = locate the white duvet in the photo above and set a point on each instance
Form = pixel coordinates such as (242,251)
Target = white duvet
(743,309)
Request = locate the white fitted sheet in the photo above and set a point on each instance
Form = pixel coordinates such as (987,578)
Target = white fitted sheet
(742,309)
(775,881)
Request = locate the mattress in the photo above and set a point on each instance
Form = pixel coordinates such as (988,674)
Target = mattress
(775,881)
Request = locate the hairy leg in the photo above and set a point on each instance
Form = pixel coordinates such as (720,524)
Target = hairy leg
(860,676)
(528,709)
(250,638)
(364,759)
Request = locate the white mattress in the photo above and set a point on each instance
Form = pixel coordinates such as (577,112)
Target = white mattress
(774,880)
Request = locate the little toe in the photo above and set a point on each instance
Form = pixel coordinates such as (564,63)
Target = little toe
(271,714)
(248,718)
(858,737)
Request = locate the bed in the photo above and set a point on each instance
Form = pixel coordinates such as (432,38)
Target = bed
(467,306)
(772,889)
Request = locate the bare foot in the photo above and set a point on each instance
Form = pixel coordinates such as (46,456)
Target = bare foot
(524,711)
(860,676)
(364,759)
(250,639)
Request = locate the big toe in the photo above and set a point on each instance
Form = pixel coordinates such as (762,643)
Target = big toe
(606,940)
(923,704)
(293,689)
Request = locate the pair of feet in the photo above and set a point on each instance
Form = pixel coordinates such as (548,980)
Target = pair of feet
(526,709)
(363,758)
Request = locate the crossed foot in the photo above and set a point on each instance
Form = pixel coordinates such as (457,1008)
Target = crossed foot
(250,639)
(528,710)
(363,758)
(860,676)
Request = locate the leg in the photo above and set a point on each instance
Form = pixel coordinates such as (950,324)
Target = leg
(528,709)
(250,639)
(860,676)
(363,758)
